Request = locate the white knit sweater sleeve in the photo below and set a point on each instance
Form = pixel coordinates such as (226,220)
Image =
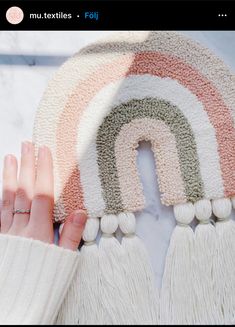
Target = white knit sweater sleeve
(34,279)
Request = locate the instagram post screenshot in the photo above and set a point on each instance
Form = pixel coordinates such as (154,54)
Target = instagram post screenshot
(117,162)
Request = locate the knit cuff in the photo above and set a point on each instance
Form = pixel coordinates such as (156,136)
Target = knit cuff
(34,278)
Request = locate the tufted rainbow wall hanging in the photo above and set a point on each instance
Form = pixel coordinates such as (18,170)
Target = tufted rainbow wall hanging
(169,90)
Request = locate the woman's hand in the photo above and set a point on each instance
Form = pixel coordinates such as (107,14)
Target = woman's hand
(33,190)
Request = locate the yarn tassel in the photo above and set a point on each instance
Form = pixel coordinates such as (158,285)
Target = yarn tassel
(224,261)
(233,202)
(140,276)
(176,301)
(82,303)
(206,311)
(115,298)
(90,310)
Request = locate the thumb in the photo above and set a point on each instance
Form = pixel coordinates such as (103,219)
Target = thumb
(71,234)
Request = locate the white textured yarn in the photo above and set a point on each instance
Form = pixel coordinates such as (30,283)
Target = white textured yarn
(127,223)
(115,297)
(82,303)
(91,230)
(89,280)
(139,274)
(176,301)
(206,311)
(203,210)
(184,213)
(224,263)
(233,201)
(222,208)
(34,278)
(139,87)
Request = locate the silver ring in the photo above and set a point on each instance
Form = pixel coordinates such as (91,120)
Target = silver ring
(21,211)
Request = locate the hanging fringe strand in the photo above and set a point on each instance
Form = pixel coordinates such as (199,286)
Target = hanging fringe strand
(206,311)
(176,304)
(115,297)
(139,273)
(115,284)
(82,303)
(224,262)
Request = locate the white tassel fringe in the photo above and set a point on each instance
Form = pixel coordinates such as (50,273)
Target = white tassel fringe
(224,263)
(82,303)
(140,276)
(233,202)
(176,304)
(88,287)
(206,311)
(115,297)
(114,284)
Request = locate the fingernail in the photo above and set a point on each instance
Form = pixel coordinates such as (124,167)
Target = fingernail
(79,218)
(25,147)
(8,159)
